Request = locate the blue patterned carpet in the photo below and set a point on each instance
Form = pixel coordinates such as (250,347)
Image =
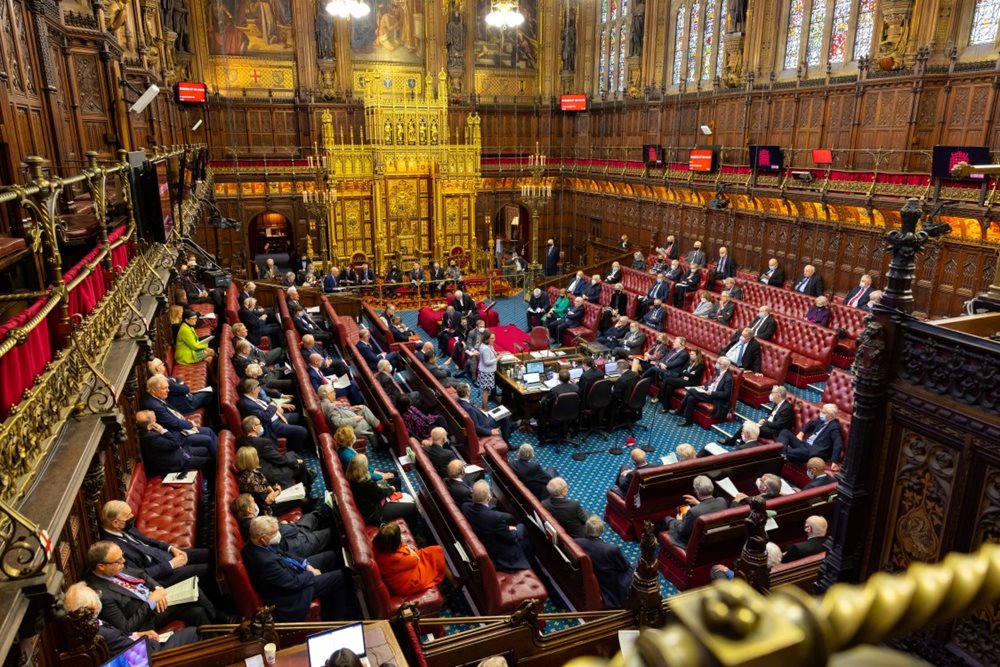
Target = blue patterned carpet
(588,480)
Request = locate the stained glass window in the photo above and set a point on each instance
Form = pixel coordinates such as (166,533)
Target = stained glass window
(863,31)
(814,45)
(613,46)
(985,21)
(678,45)
(602,66)
(794,33)
(708,42)
(838,31)
(694,31)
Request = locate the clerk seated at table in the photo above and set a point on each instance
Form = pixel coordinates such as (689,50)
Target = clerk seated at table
(549,400)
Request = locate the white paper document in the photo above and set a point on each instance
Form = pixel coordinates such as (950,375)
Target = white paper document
(293,493)
(727,485)
(181,477)
(551,383)
(786,488)
(469,469)
(715,449)
(498,412)
(183,591)
(668,459)
(771,524)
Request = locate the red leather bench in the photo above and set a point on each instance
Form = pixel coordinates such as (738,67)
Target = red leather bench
(564,559)
(344,326)
(358,535)
(195,376)
(495,593)
(852,321)
(167,512)
(378,401)
(229,541)
(429,319)
(656,491)
(719,537)
(840,391)
(637,282)
(232,304)
(802,572)
(228,394)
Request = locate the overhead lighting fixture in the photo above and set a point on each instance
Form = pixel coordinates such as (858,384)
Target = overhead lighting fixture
(343,9)
(504,14)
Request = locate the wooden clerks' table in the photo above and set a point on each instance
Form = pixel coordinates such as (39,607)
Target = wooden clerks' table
(380,644)
(521,400)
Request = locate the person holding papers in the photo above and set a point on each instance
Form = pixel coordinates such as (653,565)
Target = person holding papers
(308,536)
(251,479)
(538,305)
(132,601)
(378,501)
(702,502)
(406,570)
(272,416)
(768,487)
(485,424)
(188,348)
(284,468)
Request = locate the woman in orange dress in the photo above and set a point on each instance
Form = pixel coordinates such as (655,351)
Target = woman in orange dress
(406,570)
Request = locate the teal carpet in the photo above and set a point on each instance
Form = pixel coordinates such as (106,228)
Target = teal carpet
(588,480)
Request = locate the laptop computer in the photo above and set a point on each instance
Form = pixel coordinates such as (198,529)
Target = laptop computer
(610,367)
(534,367)
(532,378)
(575,373)
(136,655)
(322,645)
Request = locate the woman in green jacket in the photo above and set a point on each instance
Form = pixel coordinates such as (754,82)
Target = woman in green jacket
(188,349)
(558,309)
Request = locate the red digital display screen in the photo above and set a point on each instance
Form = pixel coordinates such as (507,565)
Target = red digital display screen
(189,92)
(822,156)
(700,159)
(573,103)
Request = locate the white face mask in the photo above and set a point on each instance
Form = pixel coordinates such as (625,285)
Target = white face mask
(275,540)
(482,328)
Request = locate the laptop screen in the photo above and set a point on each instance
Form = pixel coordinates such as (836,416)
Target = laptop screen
(534,367)
(532,378)
(610,367)
(322,646)
(575,373)
(136,655)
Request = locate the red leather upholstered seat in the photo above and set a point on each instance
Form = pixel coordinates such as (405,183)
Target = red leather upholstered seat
(167,512)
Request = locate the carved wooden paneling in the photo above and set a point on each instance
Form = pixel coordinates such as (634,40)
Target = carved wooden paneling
(966,114)
(885,115)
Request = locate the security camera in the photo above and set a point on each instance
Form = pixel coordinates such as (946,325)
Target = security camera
(145,99)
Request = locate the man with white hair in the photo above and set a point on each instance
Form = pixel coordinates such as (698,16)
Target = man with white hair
(454,481)
(372,356)
(359,417)
(859,296)
(568,512)
(266,358)
(538,305)
(157,391)
(504,539)
(180,397)
(685,452)
(612,569)
(819,437)
(772,550)
(814,543)
(702,502)
(810,282)
(259,323)
(464,304)
(531,474)
(874,299)
(81,597)
(718,392)
(746,438)
(164,452)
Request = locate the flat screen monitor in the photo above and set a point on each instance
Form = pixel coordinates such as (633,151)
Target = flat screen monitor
(191,92)
(946,157)
(701,159)
(534,367)
(610,367)
(136,655)
(322,646)
(765,158)
(652,155)
(573,103)
(822,156)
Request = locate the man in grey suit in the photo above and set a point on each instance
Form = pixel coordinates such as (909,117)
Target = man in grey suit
(569,513)
(697,255)
(359,417)
(702,502)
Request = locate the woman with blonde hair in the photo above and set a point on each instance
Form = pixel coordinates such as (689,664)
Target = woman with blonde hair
(706,304)
(345,439)
(250,479)
(406,570)
(374,499)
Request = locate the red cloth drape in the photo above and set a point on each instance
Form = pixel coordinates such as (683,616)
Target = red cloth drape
(85,296)
(19,367)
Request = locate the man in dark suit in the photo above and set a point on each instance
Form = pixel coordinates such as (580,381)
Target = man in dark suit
(671,250)
(617,306)
(768,487)
(538,305)
(530,473)
(549,400)
(578,286)
(163,451)
(763,326)
(370,355)
(265,358)
(305,324)
(612,569)
(180,396)
(743,350)
(633,341)
(164,562)
(574,316)
(441,455)
(658,290)
(484,423)
(719,392)
(696,255)
(814,543)
(450,322)
(621,390)
(289,583)
(772,275)
(613,335)
(416,276)
(132,601)
(464,304)
(454,481)
(735,291)
(349,277)
(614,275)
(365,276)
(725,267)
(654,316)
(724,313)
(551,258)
(689,283)
(272,416)
(436,278)
(781,416)
(157,390)
(504,540)
(819,437)
(858,296)
(675,272)
(331,281)
(874,298)
(702,502)
(624,479)
(591,374)
(816,472)
(810,282)
(308,536)
(80,596)
(592,294)
(672,362)
(569,513)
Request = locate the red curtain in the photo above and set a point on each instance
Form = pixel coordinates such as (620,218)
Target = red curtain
(19,367)
(121,254)
(85,296)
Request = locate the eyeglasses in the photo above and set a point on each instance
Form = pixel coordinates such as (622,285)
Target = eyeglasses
(114,562)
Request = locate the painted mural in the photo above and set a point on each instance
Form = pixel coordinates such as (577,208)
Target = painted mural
(507,48)
(393,32)
(249,27)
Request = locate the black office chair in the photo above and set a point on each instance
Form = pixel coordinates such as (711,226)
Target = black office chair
(595,407)
(632,413)
(565,411)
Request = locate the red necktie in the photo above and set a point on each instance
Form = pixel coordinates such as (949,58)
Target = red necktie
(856,298)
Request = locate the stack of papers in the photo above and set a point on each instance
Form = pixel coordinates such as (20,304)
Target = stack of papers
(498,412)
(551,383)
(183,591)
(668,459)
(715,449)
(293,493)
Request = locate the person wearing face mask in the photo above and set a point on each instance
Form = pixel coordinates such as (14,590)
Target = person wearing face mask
(696,255)
(633,341)
(772,275)
(768,486)
(763,325)
(164,562)
(306,537)
(718,392)
(816,472)
(551,258)
(286,469)
(858,296)
(814,543)
(290,583)
(538,305)
(819,437)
